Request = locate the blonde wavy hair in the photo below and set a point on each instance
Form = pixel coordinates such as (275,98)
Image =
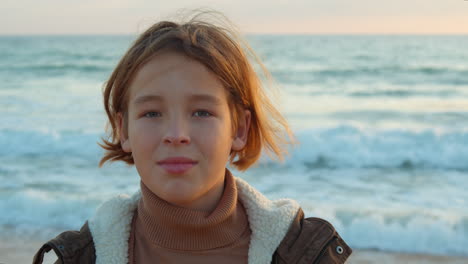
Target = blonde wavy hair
(222,51)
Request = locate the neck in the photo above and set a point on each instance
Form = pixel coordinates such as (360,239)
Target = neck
(207,202)
(180,228)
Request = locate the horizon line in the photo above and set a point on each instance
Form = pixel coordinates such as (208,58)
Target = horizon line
(263,33)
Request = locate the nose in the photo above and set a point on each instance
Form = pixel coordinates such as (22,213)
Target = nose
(177,132)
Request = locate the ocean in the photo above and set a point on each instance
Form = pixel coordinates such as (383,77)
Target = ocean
(382,123)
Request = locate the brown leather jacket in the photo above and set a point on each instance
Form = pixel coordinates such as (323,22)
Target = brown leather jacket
(308,240)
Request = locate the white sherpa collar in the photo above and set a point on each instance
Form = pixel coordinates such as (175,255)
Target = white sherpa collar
(269,222)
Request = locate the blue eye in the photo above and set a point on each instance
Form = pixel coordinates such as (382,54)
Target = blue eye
(203,113)
(152,114)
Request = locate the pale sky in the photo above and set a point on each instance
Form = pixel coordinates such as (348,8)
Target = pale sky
(19,17)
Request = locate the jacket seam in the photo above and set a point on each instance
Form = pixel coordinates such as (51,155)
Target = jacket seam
(323,245)
(324,249)
(72,254)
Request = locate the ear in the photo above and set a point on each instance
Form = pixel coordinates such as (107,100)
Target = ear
(124,140)
(241,135)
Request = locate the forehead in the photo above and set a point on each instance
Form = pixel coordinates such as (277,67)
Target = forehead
(171,74)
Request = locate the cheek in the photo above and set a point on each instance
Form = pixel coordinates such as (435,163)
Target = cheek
(215,141)
(143,138)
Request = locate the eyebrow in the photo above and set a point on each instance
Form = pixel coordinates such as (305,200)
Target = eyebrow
(194,97)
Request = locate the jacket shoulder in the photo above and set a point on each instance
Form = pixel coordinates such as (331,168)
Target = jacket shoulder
(70,247)
(311,240)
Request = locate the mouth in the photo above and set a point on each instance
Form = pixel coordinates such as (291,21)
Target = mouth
(177,168)
(177,165)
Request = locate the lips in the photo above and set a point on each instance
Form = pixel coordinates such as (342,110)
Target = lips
(177,165)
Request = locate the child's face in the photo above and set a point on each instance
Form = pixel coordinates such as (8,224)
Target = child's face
(178,108)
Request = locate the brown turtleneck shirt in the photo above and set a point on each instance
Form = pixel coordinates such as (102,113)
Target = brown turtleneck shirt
(164,233)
